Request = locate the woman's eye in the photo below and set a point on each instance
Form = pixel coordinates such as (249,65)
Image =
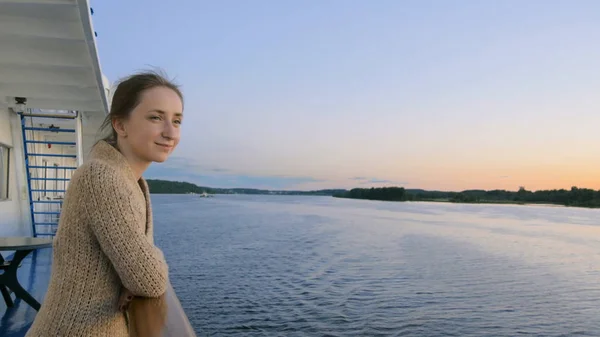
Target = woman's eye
(177,122)
(155,117)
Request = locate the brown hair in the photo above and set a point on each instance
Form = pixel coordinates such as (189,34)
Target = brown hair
(128,94)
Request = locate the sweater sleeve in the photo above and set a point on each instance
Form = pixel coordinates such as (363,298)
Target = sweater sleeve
(110,208)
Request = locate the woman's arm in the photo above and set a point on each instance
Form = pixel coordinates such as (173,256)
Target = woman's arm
(109,206)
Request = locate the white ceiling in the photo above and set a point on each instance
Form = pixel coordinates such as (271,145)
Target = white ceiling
(48,55)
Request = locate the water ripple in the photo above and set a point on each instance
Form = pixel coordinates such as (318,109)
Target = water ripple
(304,266)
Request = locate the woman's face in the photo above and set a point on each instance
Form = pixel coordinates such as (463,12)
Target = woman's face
(152,130)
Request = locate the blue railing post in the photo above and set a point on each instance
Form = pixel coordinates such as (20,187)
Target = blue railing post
(26,154)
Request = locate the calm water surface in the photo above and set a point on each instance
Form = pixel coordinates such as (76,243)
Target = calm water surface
(321,266)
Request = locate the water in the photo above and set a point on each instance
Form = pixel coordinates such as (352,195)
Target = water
(321,266)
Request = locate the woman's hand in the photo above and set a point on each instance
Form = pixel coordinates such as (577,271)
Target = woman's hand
(124,299)
(147,316)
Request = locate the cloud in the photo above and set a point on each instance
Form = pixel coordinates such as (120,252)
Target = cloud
(377,181)
(218,177)
(191,165)
(366,181)
(503,177)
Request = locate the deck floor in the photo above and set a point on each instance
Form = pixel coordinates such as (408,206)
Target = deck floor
(34,275)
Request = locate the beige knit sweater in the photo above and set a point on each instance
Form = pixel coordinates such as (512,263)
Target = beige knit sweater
(104,242)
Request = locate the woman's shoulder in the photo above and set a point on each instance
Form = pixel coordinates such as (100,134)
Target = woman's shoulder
(99,172)
(95,167)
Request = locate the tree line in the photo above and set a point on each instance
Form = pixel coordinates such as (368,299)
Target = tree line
(581,197)
(158,186)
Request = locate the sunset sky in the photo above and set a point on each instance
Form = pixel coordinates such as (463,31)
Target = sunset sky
(311,94)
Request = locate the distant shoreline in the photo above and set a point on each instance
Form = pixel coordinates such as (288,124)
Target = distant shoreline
(488,202)
(575,197)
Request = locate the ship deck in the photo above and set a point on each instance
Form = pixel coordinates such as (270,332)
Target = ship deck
(34,275)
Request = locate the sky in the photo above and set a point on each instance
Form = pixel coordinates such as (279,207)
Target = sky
(312,94)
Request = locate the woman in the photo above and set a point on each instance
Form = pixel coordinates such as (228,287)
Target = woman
(104,249)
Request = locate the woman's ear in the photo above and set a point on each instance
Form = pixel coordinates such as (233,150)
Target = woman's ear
(119,127)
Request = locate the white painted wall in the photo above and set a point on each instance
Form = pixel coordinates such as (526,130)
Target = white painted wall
(91,131)
(15,218)
(13,221)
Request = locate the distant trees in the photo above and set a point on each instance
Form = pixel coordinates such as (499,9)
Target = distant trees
(383,193)
(582,197)
(157,186)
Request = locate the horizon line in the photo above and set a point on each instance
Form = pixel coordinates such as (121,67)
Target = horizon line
(348,189)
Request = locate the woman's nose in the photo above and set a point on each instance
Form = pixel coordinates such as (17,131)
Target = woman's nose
(169,131)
